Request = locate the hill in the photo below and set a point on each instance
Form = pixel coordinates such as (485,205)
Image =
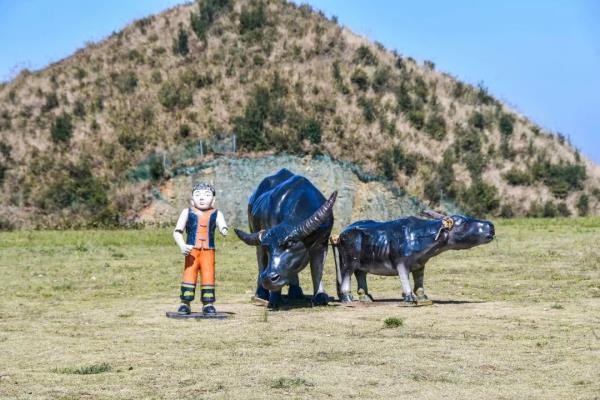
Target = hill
(170,91)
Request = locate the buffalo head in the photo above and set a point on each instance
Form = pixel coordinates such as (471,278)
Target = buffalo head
(285,245)
(462,232)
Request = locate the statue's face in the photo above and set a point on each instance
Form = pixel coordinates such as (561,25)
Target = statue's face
(203,199)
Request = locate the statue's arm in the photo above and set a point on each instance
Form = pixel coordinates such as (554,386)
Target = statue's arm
(178,233)
(221,224)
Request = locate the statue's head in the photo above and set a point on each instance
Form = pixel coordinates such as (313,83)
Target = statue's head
(203,196)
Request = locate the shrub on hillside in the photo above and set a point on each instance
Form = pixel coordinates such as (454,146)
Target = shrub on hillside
(130,141)
(506,150)
(480,199)
(403,98)
(420,89)
(208,12)
(156,76)
(180,43)
(467,141)
(442,185)
(364,55)
(143,24)
(583,204)
(6,150)
(360,79)
(3,169)
(416,117)
(310,129)
(550,210)
(184,131)
(506,124)
(396,159)
(477,120)
(436,126)
(516,177)
(506,211)
(560,178)
(338,78)
(536,210)
(475,163)
(5,120)
(253,17)
(79,109)
(368,108)
(459,89)
(175,95)
(62,129)
(483,96)
(381,79)
(399,63)
(80,73)
(51,102)
(251,126)
(563,210)
(75,187)
(135,56)
(126,82)
(156,167)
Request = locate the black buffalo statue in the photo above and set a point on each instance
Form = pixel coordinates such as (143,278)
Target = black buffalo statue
(290,223)
(401,247)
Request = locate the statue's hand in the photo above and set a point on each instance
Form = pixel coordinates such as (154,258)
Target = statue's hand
(186,249)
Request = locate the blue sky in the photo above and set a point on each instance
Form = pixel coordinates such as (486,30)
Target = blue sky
(541,57)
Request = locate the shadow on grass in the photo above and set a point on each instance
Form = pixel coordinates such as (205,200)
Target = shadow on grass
(294,304)
(306,302)
(400,301)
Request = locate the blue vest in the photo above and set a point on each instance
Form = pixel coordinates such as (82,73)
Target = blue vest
(191,228)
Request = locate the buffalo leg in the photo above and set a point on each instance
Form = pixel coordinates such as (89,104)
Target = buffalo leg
(404,281)
(295,291)
(361,282)
(275,299)
(418,278)
(347,267)
(344,286)
(317,264)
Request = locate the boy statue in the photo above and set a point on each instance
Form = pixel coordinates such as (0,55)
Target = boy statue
(199,222)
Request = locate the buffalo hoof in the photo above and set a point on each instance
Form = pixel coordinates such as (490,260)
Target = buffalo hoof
(262,293)
(295,293)
(410,298)
(364,297)
(346,298)
(275,300)
(421,296)
(320,299)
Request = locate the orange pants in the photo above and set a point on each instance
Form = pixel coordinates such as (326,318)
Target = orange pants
(203,261)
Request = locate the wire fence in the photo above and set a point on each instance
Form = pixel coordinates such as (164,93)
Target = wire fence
(177,161)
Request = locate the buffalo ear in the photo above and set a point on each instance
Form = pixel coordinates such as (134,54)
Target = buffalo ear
(251,239)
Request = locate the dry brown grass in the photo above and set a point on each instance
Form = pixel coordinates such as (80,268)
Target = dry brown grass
(82,316)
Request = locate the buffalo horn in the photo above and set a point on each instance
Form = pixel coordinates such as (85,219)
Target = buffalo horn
(251,239)
(433,214)
(313,222)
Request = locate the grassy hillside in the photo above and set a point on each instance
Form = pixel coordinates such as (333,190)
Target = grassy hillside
(284,79)
(82,316)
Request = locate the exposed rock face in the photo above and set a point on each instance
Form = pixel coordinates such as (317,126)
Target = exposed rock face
(236,179)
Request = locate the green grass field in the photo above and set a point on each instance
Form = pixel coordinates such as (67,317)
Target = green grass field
(82,316)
